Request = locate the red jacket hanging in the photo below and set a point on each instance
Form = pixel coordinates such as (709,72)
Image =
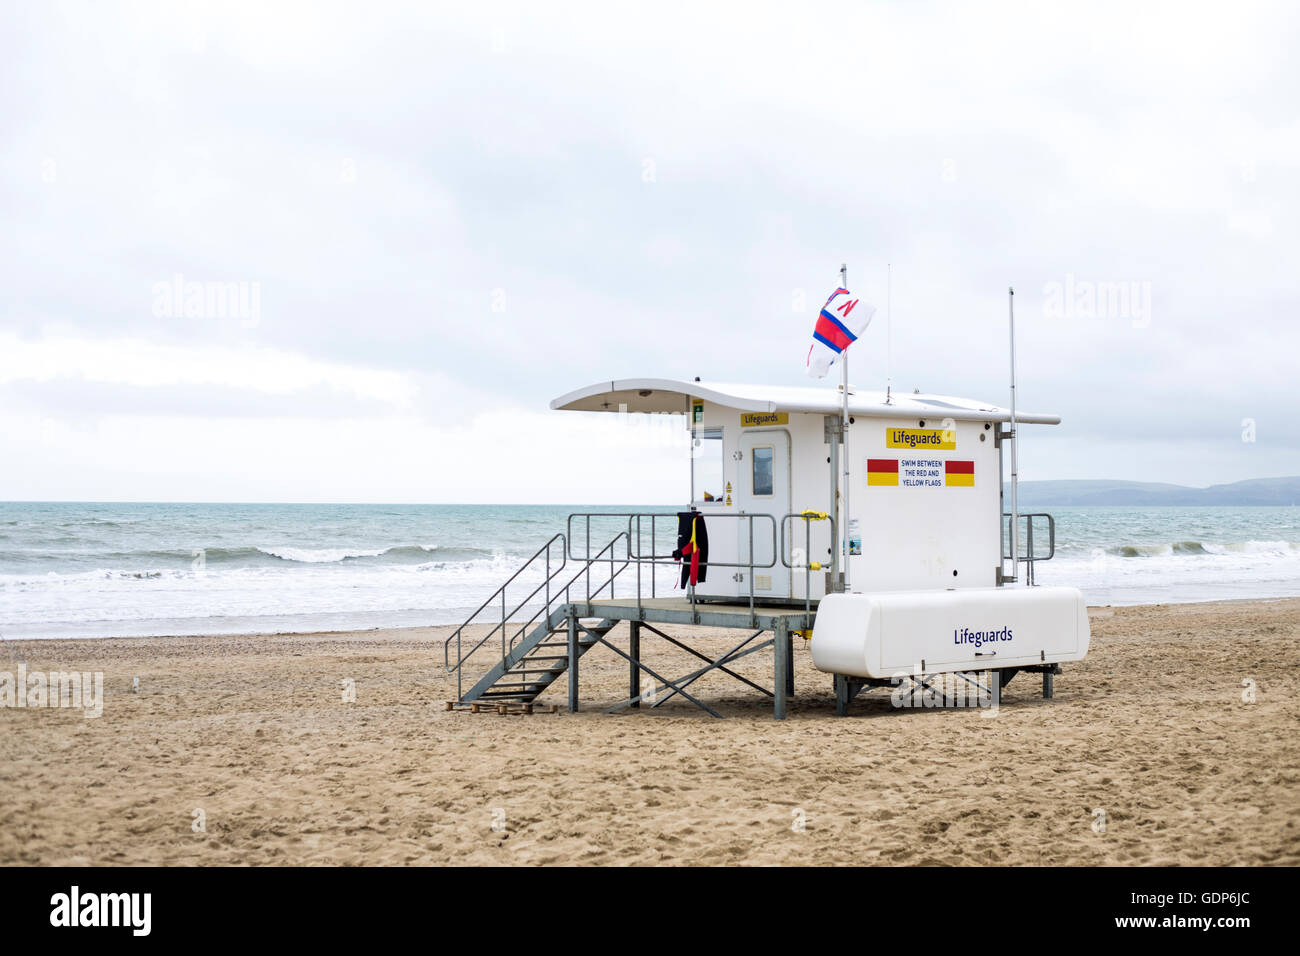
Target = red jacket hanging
(692,547)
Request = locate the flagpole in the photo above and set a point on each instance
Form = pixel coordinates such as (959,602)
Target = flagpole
(844,432)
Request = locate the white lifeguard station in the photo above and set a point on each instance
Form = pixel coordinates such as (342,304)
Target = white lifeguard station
(911,580)
(926,471)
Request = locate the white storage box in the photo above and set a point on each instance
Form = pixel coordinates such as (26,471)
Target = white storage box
(891,633)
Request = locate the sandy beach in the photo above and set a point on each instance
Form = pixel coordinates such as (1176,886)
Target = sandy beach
(242,750)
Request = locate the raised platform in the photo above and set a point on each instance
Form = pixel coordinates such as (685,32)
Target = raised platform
(782,621)
(680,610)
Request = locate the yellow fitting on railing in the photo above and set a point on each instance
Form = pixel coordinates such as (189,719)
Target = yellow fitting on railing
(814,516)
(815,566)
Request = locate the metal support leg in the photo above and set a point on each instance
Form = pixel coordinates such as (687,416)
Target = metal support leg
(573,660)
(634,669)
(780,667)
(1048,688)
(841,695)
(789,662)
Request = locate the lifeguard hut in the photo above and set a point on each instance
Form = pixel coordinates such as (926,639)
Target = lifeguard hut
(911,580)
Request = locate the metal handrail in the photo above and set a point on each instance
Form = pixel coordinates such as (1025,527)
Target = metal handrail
(667,560)
(662,558)
(808,517)
(1030,558)
(588,515)
(500,592)
(636,533)
(609,582)
(1051,537)
(552,594)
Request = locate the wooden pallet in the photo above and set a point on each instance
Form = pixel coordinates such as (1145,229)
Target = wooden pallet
(502,708)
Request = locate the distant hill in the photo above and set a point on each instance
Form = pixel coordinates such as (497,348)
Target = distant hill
(1255,491)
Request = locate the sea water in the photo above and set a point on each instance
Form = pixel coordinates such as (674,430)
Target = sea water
(69,569)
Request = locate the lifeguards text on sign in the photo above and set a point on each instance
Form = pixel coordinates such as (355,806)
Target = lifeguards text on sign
(942,438)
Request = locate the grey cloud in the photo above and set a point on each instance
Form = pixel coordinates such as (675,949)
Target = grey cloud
(415,201)
(82,401)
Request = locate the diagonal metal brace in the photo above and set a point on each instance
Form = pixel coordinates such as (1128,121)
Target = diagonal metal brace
(709,660)
(925,683)
(683,681)
(658,677)
(976,684)
(732,655)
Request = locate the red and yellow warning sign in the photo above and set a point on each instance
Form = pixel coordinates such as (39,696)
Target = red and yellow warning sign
(959,473)
(882,471)
(920,472)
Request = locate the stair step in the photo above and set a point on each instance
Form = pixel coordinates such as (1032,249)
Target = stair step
(532,673)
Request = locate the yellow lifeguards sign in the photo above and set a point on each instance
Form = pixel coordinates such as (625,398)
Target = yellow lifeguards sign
(941,438)
(759,419)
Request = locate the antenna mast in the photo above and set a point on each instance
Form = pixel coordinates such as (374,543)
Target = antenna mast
(1015,440)
(889,331)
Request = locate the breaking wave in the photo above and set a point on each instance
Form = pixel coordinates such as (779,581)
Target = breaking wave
(404,554)
(1280,548)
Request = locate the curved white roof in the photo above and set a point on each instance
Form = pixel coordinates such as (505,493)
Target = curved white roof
(670,395)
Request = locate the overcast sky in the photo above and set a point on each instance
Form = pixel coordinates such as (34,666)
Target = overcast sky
(441,217)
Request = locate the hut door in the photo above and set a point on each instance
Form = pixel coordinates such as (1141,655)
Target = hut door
(763,488)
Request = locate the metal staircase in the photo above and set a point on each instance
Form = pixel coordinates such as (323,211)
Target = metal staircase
(535,663)
(535,651)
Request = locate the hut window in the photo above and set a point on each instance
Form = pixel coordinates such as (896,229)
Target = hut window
(762,469)
(706,465)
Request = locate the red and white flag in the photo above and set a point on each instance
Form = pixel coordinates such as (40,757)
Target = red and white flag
(842,319)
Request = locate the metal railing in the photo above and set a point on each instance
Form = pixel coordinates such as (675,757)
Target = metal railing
(513,618)
(543,552)
(809,566)
(765,532)
(616,567)
(636,531)
(1029,556)
(549,591)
